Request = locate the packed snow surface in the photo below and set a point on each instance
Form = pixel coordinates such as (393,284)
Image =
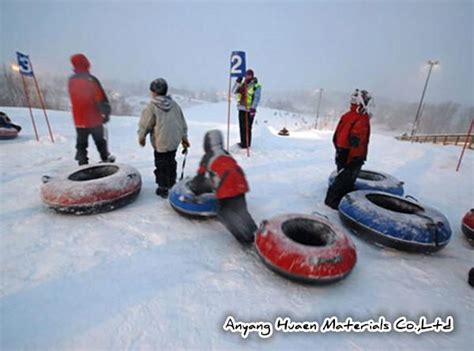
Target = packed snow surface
(143,277)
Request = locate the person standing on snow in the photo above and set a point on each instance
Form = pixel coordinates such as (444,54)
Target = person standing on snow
(351,140)
(229,184)
(163,119)
(248,95)
(90,110)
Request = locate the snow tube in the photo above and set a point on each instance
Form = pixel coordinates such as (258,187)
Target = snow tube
(394,221)
(8,133)
(92,189)
(184,201)
(305,248)
(371,180)
(468,225)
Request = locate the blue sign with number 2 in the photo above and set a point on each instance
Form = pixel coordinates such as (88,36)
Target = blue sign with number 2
(237,64)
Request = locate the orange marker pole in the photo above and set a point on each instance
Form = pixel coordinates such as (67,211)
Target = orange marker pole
(25,89)
(43,105)
(465,145)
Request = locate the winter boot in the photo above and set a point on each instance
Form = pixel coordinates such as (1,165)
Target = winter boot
(163,192)
(110,159)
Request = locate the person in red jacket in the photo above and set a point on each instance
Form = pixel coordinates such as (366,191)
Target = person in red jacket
(229,184)
(351,140)
(90,110)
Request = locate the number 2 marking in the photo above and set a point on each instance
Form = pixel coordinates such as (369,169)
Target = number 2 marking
(236,62)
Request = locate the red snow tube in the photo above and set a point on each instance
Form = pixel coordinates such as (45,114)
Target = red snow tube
(305,248)
(8,133)
(92,189)
(468,225)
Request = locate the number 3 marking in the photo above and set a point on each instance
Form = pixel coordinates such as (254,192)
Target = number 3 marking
(25,64)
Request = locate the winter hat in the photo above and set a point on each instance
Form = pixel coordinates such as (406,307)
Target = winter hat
(362,99)
(159,86)
(80,63)
(250,73)
(213,141)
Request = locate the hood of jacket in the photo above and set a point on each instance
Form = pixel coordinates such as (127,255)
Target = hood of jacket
(80,63)
(213,141)
(162,102)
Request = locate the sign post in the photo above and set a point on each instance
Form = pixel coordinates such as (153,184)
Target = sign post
(26,70)
(237,69)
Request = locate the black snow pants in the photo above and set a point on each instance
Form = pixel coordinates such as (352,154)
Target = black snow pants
(343,184)
(165,169)
(243,128)
(82,143)
(233,213)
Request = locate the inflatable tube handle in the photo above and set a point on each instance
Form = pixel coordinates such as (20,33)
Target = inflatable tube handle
(319,213)
(315,261)
(262,228)
(45,179)
(411,197)
(350,200)
(132,175)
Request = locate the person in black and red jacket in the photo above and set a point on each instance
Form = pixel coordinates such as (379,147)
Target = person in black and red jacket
(229,184)
(351,140)
(90,110)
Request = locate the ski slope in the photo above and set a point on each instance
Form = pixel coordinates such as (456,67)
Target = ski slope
(144,278)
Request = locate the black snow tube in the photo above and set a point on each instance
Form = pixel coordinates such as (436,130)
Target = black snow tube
(371,180)
(393,221)
(8,133)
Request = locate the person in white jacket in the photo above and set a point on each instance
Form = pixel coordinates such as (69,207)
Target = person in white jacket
(163,119)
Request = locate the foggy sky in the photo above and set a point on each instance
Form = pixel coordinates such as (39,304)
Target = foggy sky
(338,45)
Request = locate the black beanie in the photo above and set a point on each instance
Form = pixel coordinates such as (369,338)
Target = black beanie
(159,86)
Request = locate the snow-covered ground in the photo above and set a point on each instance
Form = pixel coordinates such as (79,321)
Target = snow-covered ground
(144,278)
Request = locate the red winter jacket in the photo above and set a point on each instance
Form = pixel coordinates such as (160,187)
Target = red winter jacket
(352,133)
(228,179)
(87,96)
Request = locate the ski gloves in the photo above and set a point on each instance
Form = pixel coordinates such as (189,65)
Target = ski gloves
(185,144)
(341,157)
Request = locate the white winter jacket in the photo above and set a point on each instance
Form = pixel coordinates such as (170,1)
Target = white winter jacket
(163,119)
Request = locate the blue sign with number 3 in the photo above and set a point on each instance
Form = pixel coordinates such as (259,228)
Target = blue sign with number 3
(237,64)
(24,63)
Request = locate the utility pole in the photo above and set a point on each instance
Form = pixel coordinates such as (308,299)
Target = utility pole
(319,105)
(416,122)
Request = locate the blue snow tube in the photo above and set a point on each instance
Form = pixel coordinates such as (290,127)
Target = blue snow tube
(371,180)
(394,221)
(184,201)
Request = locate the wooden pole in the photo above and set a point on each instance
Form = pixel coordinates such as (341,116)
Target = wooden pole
(228,111)
(25,89)
(246,121)
(465,144)
(43,105)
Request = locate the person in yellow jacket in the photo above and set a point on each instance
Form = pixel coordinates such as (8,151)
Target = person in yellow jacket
(248,95)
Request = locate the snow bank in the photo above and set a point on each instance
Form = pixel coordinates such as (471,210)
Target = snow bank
(144,277)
